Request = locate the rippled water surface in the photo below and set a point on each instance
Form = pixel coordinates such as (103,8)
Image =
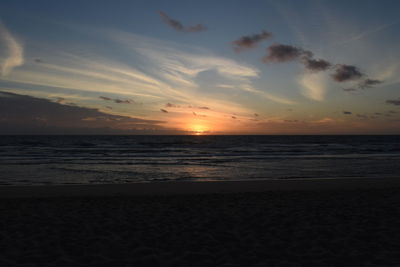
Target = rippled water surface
(125,159)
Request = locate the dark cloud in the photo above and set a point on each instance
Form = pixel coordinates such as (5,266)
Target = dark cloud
(395,102)
(234,117)
(177,25)
(194,113)
(349,89)
(38,60)
(316,64)
(278,53)
(22,114)
(347,112)
(256,115)
(105,98)
(250,41)
(368,83)
(169,105)
(116,100)
(120,101)
(344,73)
(282,53)
(163,110)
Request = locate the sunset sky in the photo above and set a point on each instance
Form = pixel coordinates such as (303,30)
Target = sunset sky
(200,67)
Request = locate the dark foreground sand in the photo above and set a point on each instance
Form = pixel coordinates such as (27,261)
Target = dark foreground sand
(280,225)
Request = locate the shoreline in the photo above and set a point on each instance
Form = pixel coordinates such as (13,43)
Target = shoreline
(196,187)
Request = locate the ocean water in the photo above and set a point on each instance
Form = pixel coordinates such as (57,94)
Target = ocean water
(34,160)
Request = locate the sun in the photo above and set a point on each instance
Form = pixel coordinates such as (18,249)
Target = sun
(198,129)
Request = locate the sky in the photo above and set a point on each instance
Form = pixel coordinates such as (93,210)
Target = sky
(199,67)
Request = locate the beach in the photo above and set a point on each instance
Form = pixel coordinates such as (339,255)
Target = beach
(334,222)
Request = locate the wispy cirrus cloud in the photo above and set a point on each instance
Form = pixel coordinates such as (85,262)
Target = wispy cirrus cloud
(177,25)
(170,73)
(314,86)
(13,56)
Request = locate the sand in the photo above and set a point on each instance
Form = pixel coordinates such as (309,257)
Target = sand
(278,223)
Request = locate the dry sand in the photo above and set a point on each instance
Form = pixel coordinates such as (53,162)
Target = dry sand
(292,223)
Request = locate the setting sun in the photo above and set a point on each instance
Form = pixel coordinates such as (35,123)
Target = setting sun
(198,129)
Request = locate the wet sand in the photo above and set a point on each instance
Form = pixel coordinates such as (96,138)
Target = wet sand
(290,223)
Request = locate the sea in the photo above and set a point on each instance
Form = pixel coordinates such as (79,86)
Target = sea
(38,160)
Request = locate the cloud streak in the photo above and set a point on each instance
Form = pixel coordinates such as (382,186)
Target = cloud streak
(177,25)
(14,52)
(116,100)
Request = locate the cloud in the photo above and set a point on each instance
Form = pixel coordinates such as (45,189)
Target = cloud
(169,105)
(14,52)
(368,83)
(120,101)
(316,65)
(22,114)
(177,25)
(282,53)
(163,110)
(278,53)
(395,102)
(344,73)
(314,86)
(105,98)
(116,100)
(250,41)
(347,112)
(59,99)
